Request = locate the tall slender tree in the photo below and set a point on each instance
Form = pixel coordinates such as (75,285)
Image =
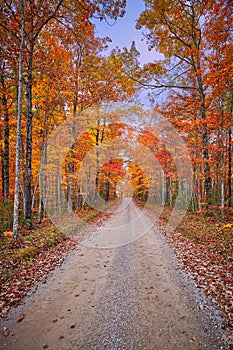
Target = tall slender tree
(19,118)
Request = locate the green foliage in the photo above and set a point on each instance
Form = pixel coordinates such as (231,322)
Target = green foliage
(6,216)
(28,252)
(27,224)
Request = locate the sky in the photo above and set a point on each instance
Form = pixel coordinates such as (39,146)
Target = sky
(123,31)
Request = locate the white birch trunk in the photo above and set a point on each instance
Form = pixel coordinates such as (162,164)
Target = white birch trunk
(19,117)
(162,190)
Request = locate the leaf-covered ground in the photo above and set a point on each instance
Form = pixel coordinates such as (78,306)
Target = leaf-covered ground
(33,258)
(204,246)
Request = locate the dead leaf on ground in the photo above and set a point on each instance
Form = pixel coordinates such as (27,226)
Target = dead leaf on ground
(20,319)
(5,331)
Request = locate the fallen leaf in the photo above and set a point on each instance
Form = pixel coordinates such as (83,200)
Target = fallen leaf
(5,331)
(193,339)
(20,319)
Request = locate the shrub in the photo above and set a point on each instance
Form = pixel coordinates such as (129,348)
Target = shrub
(6,216)
(28,252)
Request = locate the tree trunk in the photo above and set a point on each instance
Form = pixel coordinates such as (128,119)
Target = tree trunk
(222,159)
(5,170)
(2,167)
(200,188)
(19,116)
(70,184)
(167,190)
(223,193)
(107,191)
(35,188)
(170,191)
(6,152)
(196,63)
(229,175)
(28,170)
(71,162)
(97,136)
(162,189)
(42,177)
(41,203)
(205,140)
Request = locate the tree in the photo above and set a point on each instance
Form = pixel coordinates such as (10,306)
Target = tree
(39,16)
(175,28)
(218,40)
(5,153)
(34,23)
(19,116)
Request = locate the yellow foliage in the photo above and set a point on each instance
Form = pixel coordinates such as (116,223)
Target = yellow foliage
(228,226)
(8,234)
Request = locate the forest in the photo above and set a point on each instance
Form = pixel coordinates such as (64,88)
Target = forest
(68,144)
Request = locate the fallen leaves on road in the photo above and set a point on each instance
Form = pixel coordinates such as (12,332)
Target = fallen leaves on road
(14,289)
(208,267)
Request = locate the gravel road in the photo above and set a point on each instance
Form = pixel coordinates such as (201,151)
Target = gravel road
(116,292)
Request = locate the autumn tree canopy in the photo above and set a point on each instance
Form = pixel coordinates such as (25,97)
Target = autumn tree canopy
(54,70)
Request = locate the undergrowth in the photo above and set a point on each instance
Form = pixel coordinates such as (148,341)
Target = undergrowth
(208,230)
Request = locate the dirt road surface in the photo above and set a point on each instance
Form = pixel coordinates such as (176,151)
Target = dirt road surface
(124,296)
